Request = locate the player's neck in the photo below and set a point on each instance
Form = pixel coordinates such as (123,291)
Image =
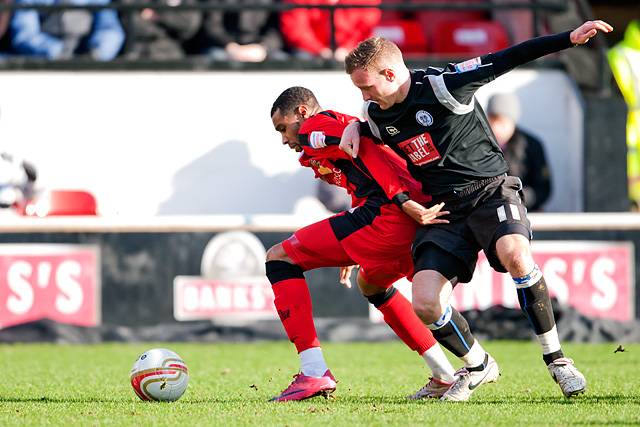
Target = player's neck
(403,90)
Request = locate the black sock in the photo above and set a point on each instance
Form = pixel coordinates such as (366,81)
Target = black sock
(454,335)
(536,305)
(548,358)
(378,299)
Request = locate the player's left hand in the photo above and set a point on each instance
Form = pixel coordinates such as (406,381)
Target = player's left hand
(350,140)
(589,29)
(345,275)
(424,216)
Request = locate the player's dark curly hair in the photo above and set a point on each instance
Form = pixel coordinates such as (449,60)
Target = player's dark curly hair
(288,100)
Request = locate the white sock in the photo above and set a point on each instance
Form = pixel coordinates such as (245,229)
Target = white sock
(475,356)
(312,362)
(439,364)
(549,341)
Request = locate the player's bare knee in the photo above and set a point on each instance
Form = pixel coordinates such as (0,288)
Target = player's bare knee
(426,308)
(277,253)
(514,253)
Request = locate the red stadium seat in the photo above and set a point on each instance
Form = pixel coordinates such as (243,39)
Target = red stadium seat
(470,38)
(63,202)
(407,34)
(430,19)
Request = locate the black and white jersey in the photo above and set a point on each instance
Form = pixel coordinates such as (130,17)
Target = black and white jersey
(441,130)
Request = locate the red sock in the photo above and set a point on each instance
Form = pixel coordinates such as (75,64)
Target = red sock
(293,302)
(398,313)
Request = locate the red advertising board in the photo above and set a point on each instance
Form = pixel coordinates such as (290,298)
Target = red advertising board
(58,282)
(248,298)
(596,278)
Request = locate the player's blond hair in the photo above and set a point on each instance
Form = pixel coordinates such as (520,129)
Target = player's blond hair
(374,53)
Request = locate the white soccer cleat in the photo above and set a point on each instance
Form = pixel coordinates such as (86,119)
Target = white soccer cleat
(434,389)
(468,381)
(570,380)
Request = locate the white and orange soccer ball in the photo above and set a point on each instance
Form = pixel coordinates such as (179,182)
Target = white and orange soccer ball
(159,374)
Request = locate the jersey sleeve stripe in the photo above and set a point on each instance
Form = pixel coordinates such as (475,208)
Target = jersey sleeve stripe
(445,97)
(303,139)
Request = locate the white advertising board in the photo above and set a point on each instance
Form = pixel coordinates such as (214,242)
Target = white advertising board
(180,143)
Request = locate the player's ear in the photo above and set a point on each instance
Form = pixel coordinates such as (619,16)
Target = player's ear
(389,74)
(302,111)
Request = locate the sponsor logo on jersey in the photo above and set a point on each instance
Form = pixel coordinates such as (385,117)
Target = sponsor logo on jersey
(468,65)
(420,149)
(424,118)
(392,130)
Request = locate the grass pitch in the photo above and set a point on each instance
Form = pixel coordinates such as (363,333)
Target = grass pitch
(48,384)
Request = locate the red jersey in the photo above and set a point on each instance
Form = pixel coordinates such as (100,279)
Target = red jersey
(376,176)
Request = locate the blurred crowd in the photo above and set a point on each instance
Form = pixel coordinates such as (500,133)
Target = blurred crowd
(247,34)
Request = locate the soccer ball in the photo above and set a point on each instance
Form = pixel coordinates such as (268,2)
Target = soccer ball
(159,374)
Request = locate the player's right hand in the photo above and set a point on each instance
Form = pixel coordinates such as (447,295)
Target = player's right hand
(350,141)
(345,275)
(424,216)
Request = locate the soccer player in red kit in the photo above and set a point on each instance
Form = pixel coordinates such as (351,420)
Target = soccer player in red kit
(375,234)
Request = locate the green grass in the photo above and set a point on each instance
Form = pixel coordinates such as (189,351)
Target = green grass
(48,384)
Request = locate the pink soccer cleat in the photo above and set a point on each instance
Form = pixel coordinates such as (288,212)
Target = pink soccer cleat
(304,387)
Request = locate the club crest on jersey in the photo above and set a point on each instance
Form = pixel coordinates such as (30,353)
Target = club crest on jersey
(322,170)
(424,118)
(468,65)
(392,130)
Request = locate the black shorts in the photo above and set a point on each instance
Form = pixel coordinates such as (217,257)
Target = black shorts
(478,218)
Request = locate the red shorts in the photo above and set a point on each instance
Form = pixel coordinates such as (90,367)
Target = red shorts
(377,238)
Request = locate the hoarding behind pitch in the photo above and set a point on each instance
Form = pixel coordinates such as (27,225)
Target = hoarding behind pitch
(57,282)
(596,278)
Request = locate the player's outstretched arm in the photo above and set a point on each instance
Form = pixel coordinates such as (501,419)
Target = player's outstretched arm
(589,29)
(514,56)
(350,141)
(423,215)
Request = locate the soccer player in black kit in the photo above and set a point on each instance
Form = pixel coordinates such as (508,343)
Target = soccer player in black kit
(431,119)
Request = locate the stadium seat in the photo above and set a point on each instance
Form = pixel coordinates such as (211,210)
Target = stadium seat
(407,34)
(430,19)
(470,38)
(63,202)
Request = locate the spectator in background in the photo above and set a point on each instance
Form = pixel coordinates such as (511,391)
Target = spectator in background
(245,35)
(17,179)
(67,33)
(523,152)
(4,19)
(307,32)
(160,34)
